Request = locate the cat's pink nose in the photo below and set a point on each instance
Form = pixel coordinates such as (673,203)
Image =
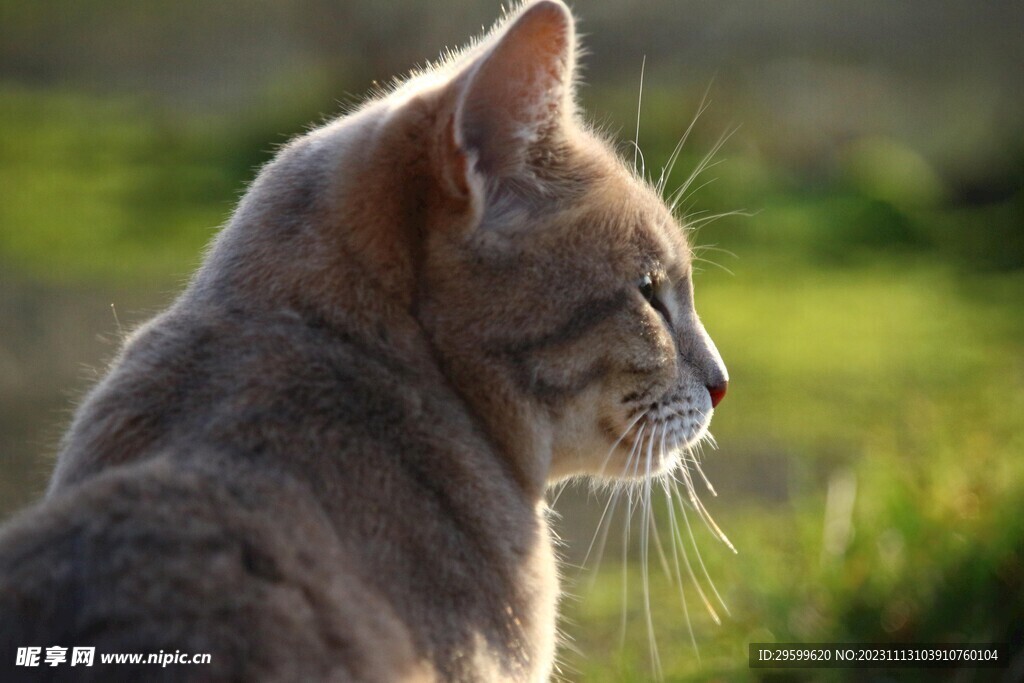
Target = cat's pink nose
(717,393)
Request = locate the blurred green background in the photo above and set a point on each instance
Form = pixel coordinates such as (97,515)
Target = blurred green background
(870,466)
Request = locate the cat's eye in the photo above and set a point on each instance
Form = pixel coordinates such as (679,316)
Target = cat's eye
(648,290)
(646,286)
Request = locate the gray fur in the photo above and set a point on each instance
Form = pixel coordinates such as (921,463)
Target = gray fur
(327,460)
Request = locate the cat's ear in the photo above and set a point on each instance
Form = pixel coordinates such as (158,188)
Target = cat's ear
(514,93)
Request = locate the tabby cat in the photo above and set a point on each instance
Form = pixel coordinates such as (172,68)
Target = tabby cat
(327,459)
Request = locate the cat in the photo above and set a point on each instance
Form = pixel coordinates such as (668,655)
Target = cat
(327,460)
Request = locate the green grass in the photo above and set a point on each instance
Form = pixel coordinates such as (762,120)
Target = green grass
(872,328)
(96,189)
(115,191)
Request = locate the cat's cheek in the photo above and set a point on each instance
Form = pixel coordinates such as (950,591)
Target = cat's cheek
(655,333)
(577,436)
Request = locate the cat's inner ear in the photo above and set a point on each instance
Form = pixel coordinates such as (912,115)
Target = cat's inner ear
(517,91)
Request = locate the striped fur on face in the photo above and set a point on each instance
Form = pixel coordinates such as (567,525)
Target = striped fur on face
(575,298)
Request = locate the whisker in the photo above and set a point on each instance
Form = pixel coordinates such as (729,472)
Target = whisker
(689,568)
(639,448)
(703,512)
(645,534)
(604,523)
(612,501)
(705,220)
(625,578)
(704,164)
(639,106)
(604,526)
(631,490)
(713,263)
(662,557)
(558,494)
(625,536)
(696,251)
(715,247)
(666,170)
(659,442)
(643,165)
(691,497)
(700,560)
(673,528)
(680,195)
(704,477)
(615,445)
(708,438)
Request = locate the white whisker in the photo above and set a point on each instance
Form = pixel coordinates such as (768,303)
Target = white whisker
(603,527)
(704,570)
(704,164)
(680,195)
(638,151)
(673,528)
(662,557)
(703,512)
(645,534)
(615,445)
(604,523)
(704,477)
(707,220)
(625,578)
(681,545)
(666,170)
(638,447)
(639,106)
(558,494)
(714,247)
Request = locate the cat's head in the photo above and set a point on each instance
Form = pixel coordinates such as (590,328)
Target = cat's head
(564,294)
(553,286)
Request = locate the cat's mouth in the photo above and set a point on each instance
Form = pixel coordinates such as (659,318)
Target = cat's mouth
(660,439)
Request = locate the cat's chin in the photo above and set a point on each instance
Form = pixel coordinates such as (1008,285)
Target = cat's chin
(654,449)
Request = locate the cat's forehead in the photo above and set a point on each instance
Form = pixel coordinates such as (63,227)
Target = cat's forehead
(590,204)
(642,220)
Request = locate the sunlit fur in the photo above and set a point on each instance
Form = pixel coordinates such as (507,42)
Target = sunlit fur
(328,459)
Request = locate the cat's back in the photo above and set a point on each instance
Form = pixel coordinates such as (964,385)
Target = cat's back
(250,573)
(188,452)
(236,377)
(281,466)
